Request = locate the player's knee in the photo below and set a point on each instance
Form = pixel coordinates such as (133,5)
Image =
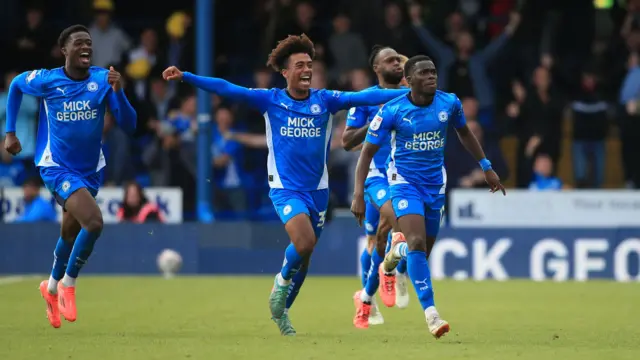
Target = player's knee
(416,242)
(304,244)
(94,225)
(69,234)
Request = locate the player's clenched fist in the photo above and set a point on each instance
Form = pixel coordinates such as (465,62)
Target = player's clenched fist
(172,73)
(113,78)
(12,144)
(358,207)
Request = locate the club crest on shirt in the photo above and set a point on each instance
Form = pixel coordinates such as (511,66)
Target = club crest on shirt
(375,123)
(315,109)
(443,116)
(92,86)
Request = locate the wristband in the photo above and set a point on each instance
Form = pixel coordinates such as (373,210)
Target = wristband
(485,164)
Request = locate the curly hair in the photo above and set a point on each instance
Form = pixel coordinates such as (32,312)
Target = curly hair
(293,44)
(66,33)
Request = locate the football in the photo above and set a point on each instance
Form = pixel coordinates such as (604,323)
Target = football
(169,262)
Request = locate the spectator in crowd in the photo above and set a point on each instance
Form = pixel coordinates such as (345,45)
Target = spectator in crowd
(463,70)
(36,208)
(590,128)
(32,42)
(12,170)
(395,33)
(110,42)
(136,207)
(26,125)
(141,62)
(347,48)
(171,161)
(227,158)
(630,122)
(543,109)
(543,178)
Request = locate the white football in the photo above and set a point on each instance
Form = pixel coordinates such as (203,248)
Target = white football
(169,262)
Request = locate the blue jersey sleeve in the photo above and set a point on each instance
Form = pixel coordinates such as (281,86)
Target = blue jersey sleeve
(458,114)
(258,98)
(339,100)
(122,111)
(30,82)
(357,117)
(380,127)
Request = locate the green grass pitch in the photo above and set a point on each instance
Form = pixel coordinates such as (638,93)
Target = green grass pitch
(146,318)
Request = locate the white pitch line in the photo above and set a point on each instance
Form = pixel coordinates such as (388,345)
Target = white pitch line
(8,280)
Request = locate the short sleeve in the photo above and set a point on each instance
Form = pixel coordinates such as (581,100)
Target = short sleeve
(457,114)
(357,117)
(380,126)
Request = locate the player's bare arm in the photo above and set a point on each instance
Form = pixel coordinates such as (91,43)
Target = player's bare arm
(362,168)
(472,145)
(353,136)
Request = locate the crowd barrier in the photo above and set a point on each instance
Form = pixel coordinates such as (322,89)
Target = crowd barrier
(257,248)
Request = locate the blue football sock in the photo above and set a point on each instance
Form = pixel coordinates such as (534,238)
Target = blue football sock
(401,250)
(402,266)
(61,259)
(82,249)
(296,284)
(374,278)
(365,263)
(292,261)
(420,276)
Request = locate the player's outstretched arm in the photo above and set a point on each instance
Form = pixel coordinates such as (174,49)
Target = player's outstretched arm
(343,100)
(254,97)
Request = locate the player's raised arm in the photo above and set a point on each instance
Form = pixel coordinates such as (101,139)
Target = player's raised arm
(125,115)
(339,100)
(378,132)
(255,97)
(356,129)
(29,82)
(473,146)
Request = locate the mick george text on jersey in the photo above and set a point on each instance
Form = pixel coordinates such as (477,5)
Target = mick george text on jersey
(301,127)
(430,140)
(77,111)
